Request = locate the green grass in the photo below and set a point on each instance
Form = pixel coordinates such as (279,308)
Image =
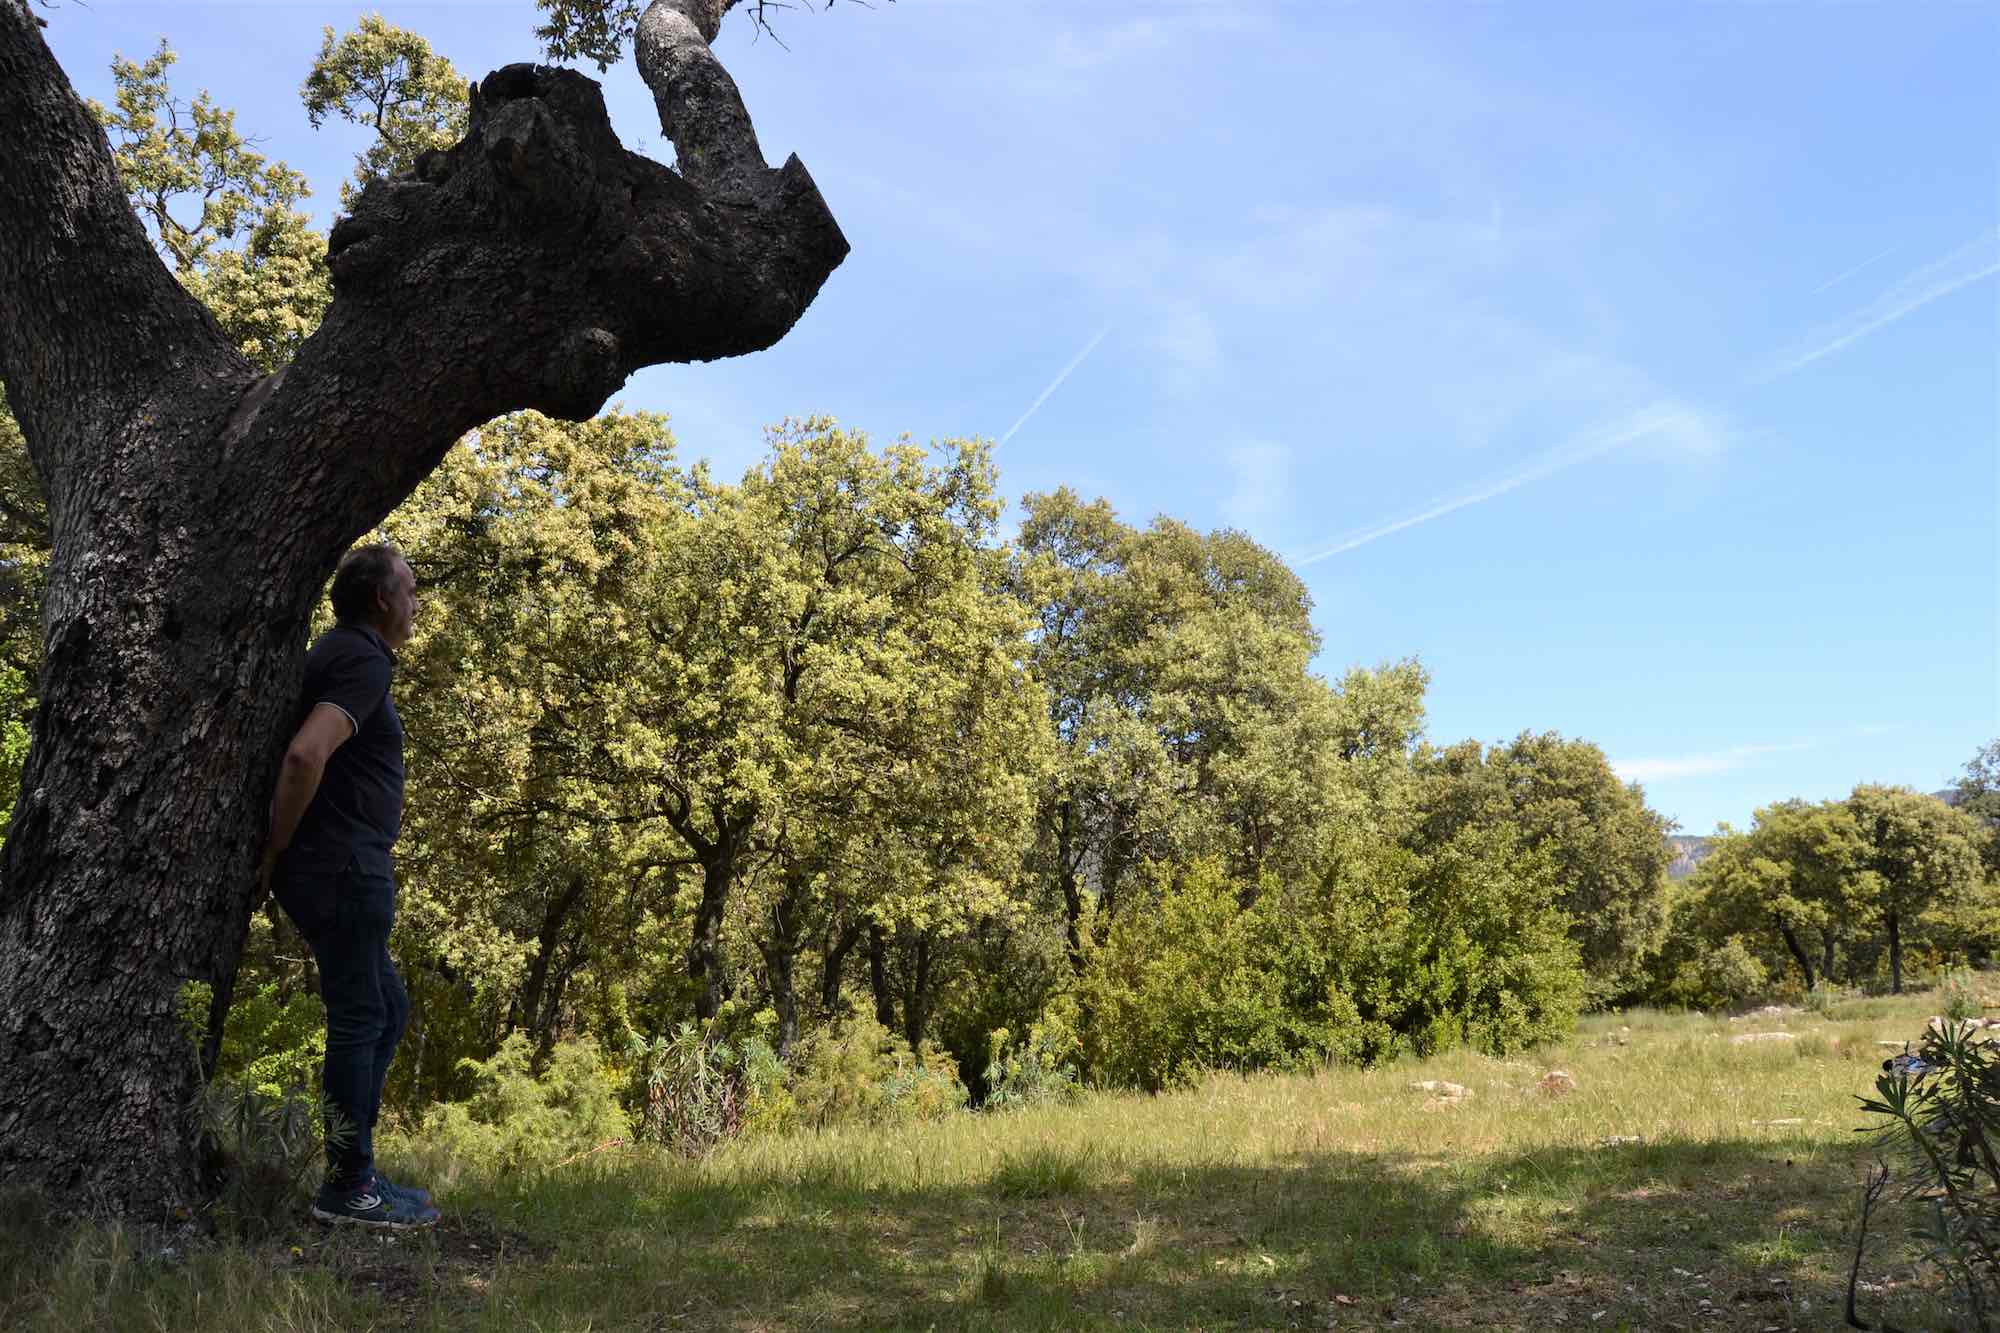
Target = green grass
(1687,1180)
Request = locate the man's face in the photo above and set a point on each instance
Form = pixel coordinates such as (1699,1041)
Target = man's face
(396,607)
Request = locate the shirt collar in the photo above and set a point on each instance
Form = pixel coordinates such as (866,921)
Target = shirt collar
(374,637)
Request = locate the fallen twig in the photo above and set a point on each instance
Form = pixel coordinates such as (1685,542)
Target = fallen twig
(619,1143)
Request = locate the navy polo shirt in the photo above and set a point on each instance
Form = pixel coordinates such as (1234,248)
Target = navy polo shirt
(358,809)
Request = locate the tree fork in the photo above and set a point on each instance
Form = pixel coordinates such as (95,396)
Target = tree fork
(197,508)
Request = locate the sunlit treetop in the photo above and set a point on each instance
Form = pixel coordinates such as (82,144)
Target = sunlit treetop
(390,80)
(597,30)
(190,175)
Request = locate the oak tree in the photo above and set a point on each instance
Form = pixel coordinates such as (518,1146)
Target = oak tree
(197,503)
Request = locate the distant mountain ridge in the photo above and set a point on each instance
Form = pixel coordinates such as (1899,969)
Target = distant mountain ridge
(1691,849)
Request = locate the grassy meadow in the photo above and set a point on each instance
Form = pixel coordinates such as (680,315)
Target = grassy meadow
(1688,1181)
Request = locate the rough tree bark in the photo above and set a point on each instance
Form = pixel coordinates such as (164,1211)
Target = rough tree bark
(197,508)
(718,857)
(917,994)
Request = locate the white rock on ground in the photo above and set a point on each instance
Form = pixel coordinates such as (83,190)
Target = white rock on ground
(1437,1087)
(1974,1024)
(1746,1038)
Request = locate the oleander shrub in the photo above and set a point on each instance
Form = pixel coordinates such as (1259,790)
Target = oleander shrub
(1936,1120)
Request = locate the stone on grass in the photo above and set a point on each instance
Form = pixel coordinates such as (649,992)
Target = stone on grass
(1557,1083)
(1938,1021)
(1448,1094)
(1768,1011)
(1748,1038)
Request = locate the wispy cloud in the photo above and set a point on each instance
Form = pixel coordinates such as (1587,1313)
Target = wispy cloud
(1978,258)
(1701,764)
(1057,382)
(1685,428)
(1263,481)
(1090,48)
(1186,335)
(1845,274)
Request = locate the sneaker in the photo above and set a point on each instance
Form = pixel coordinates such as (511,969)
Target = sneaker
(415,1194)
(372,1206)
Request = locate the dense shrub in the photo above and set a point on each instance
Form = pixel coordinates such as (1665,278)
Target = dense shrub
(1717,978)
(1460,945)
(861,1073)
(264,1152)
(275,1039)
(518,1118)
(1192,982)
(1392,952)
(1958,995)
(1937,1112)
(692,1091)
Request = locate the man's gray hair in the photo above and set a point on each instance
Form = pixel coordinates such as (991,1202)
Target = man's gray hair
(364,571)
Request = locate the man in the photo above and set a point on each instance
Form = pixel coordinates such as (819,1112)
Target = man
(334,819)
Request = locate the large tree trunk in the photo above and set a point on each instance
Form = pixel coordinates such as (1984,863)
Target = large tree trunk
(1072,885)
(197,508)
(704,958)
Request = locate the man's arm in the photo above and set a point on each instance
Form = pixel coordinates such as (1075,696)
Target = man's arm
(325,730)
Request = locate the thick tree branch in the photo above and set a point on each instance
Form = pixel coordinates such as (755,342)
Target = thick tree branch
(537,264)
(700,109)
(91,323)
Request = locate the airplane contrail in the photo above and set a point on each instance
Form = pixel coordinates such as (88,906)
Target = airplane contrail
(1843,277)
(1971,262)
(1637,426)
(1057,382)
(1978,258)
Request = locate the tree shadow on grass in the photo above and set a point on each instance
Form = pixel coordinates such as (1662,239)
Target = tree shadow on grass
(1733,1234)
(1736,1234)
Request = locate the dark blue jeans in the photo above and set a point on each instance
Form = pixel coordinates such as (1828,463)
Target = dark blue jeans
(345,917)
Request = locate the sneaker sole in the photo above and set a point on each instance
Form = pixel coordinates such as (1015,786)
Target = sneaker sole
(320,1214)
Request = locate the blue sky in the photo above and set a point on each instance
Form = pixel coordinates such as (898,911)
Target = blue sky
(1637,367)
